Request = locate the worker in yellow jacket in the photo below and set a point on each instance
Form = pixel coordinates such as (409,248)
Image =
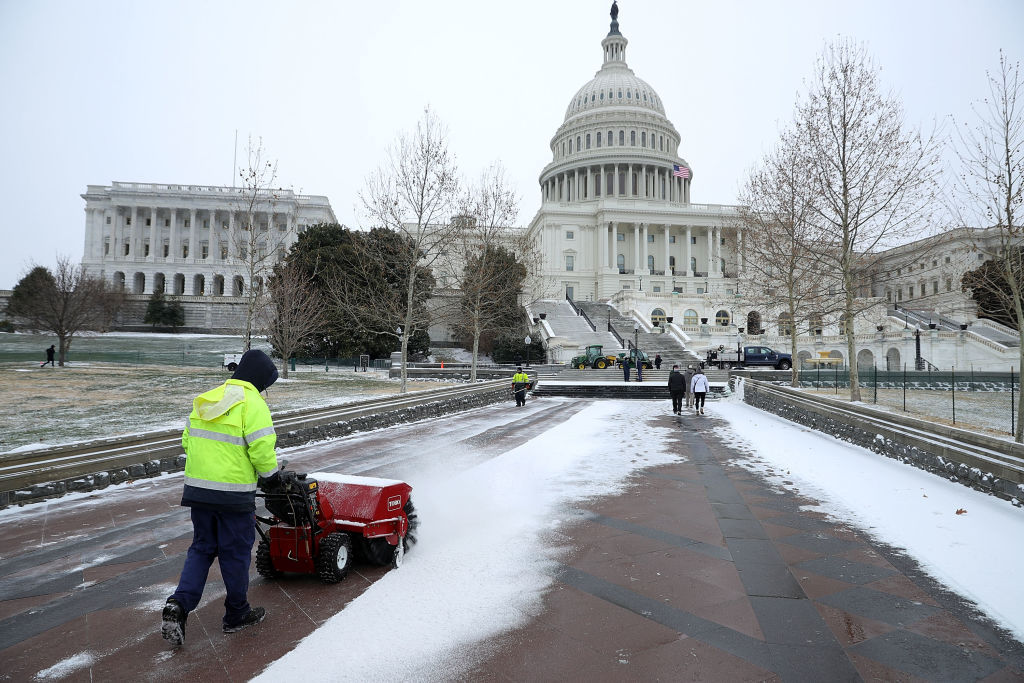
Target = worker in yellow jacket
(520,383)
(229,442)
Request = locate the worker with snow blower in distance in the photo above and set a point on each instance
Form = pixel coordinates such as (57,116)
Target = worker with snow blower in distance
(229,442)
(520,383)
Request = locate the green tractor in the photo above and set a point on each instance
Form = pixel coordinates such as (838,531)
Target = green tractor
(636,356)
(592,357)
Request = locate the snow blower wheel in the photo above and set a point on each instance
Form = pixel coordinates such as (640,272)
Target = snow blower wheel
(264,563)
(335,557)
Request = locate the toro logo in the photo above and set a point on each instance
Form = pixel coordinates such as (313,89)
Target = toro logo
(394,503)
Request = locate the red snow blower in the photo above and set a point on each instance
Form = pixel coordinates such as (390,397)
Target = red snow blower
(320,522)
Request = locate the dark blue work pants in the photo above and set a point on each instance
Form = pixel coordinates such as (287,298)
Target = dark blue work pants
(227,536)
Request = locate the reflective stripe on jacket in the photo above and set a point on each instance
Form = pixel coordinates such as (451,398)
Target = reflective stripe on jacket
(229,442)
(520,381)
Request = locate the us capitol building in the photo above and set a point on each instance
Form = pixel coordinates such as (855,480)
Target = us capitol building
(616,214)
(616,224)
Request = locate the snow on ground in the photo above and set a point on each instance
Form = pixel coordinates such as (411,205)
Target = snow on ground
(975,554)
(485,556)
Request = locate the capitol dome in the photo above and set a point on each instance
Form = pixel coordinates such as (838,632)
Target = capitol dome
(616,118)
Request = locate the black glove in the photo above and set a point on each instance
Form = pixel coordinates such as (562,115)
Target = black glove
(267,484)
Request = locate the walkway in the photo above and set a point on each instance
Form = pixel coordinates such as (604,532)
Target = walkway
(699,571)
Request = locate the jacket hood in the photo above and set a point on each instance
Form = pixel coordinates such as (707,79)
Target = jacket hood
(257,369)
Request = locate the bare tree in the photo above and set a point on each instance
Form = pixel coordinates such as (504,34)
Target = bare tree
(296,313)
(65,302)
(255,244)
(874,179)
(414,194)
(487,262)
(991,190)
(783,267)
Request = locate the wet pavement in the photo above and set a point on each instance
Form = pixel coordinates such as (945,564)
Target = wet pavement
(698,571)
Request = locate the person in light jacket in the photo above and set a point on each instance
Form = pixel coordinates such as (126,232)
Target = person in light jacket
(230,447)
(699,386)
(688,375)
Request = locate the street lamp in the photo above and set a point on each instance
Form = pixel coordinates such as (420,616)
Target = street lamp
(636,350)
(528,341)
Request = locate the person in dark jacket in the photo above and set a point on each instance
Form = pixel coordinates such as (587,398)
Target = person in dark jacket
(49,357)
(625,368)
(229,443)
(657,361)
(677,388)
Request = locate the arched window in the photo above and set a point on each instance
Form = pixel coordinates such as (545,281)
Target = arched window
(622,137)
(693,264)
(632,138)
(722,318)
(570,145)
(620,94)
(620,261)
(598,139)
(609,138)
(597,184)
(657,316)
(578,148)
(650,264)
(690,317)
(661,143)
(815,324)
(643,139)
(672,264)
(588,140)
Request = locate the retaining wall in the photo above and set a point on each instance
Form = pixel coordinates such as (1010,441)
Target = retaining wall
(153,468)
(931,456)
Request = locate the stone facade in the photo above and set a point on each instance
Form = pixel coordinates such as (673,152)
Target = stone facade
(190,240)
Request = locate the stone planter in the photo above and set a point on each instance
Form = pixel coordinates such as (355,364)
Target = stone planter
(543,316)
(931,326)
(668,319)
(963,326)
(703,321)
(879,327)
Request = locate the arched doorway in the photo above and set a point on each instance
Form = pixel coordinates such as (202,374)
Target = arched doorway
(139,283)
(892,359)
(865,359)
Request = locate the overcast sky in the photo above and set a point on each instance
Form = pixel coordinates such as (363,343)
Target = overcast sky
(94,92)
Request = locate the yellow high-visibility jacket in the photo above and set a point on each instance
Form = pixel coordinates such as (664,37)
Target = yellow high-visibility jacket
(520,381)
(229,443)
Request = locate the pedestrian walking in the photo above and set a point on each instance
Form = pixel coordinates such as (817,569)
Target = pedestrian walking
(229,441)
(699,386)
(625,368)
(639,369)
(688,376)
(657,361)
(520,383)
(677,389)
(49,357)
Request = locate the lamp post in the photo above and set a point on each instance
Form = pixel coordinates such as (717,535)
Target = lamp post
(636,351)
(528,341)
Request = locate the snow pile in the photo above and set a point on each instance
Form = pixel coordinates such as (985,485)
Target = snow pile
(971,551)
(482,564)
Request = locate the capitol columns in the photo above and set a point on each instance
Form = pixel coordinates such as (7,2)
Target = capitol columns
(152,234)
(643,240)
(172,240)
(601,234)
(132,234)
(689,254)
(667,263)
(193,249)
(636,248)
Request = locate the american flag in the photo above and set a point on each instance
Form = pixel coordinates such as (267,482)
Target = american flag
(680,171)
